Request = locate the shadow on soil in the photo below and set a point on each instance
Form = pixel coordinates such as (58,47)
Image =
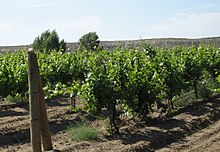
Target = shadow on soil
(18,137)
(159,134)
(23,136)
(57,102)
(162,133)
(12,113)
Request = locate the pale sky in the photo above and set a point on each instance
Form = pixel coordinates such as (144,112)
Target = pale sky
(21,21)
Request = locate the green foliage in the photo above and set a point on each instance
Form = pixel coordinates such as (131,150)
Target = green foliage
(170,70)
(13,74)
(77,109)
(193,67)
(89,42)
(49,41)
(62,46)
(184,99)
(207,88)
(17,98)
(82,132)
(218,78)
(204,91)
(210,60)
(217,90)
(135,79)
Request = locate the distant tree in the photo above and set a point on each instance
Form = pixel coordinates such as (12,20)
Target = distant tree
(62,46)
(48,41)
(89,41)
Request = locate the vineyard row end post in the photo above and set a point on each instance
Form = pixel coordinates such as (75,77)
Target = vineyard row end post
(39,126)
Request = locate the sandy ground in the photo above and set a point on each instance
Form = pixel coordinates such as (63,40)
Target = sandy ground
(205,140)
(195,128)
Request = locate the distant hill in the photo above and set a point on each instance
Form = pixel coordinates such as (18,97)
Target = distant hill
(159,42)
(163,42)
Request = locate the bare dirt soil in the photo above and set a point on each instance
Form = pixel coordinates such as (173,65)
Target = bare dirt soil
(195,128)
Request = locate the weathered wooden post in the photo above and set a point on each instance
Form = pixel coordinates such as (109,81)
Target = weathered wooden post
(45,131)
(34,102)
(39,121)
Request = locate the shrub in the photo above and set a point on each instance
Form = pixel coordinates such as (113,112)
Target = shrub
(89,41)
(207,88)
(49,41)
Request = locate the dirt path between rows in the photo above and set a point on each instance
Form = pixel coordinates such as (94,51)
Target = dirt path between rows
(205,140)
(194,128)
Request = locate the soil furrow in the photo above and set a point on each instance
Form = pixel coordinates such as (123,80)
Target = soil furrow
(195,129)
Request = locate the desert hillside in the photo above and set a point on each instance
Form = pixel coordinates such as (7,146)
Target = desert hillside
(159,42)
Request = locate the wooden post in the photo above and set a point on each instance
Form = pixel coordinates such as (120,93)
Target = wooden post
(34,102)
(45,131)
(37,108)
